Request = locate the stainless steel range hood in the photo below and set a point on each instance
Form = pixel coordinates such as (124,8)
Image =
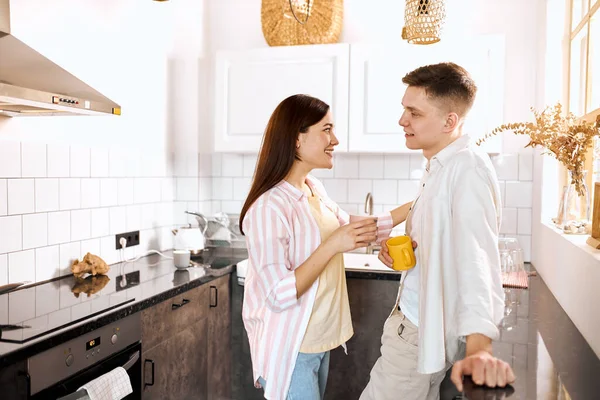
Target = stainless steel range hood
(32,85)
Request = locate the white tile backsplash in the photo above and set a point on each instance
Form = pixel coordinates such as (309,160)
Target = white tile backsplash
(385,191)
(35,230)
(21,196)
(232,165)
(222,188)
(337,189)
(509,221)
(125,191)
(241,187)
(99,163)
(370,166)
(118,220)
(59,227)
(33,160)
(134,217)
(525,167)
(3,269)
(417,166)
(250,161)
(3,197)
(358,189)
(524,225)
(46,263)
(101,223)
(90,193)
(21,266)
(345,166)
(80,162)
(46,195)
(109,192)
(187,189)
(69,193)
(396,167)
(10,159)
(11,234)
(507,166)
(519,194)
(81,224)
(68,253)
(392,179)
(58,158)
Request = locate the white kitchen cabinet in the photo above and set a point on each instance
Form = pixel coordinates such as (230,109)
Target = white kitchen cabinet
(376,89)
(250,84)
(362,83)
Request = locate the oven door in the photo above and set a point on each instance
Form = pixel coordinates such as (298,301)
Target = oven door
(129,359)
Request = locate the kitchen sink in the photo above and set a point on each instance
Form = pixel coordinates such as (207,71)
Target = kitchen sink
(365,262)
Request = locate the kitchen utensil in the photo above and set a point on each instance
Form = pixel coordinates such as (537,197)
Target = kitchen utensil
(401,251)
(190,238)
(181,258)
(11,286)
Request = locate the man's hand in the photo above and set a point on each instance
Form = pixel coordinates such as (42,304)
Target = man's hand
(384,253)
(484,369)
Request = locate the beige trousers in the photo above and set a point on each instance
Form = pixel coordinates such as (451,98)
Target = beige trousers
(395,375)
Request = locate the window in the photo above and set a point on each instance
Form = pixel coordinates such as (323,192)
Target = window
(584,71)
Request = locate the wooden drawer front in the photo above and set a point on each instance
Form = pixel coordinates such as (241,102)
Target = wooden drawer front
(172,316)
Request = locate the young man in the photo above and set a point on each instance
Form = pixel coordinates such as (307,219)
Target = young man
(451,302)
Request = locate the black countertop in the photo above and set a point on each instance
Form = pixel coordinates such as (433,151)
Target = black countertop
(126,289)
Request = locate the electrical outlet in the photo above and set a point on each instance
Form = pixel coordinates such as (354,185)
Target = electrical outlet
(133,239)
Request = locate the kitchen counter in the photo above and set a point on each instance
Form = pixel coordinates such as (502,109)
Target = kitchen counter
(64,307)
(550,357)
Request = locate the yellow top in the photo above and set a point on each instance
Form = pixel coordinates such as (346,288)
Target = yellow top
(330,323)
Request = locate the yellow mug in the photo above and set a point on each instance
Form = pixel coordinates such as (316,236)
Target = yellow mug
(401,251)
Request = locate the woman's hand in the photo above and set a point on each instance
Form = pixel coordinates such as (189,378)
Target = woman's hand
(353,235)
(384,253)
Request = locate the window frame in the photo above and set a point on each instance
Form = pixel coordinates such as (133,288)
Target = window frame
(588,115)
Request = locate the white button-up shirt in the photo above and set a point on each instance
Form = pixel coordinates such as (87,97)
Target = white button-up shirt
(460,284)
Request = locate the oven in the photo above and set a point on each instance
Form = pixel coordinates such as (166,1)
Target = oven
(59,372)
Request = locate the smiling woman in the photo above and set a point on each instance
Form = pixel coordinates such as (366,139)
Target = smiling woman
(296,306)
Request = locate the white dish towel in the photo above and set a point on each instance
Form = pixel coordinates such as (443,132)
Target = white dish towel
(113,385)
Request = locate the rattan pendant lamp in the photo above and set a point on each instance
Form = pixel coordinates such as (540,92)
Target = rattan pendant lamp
(423,21)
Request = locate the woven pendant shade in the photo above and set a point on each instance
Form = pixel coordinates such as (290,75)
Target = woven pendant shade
(297,22)
(423,20)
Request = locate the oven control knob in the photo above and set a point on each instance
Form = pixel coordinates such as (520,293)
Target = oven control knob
(114,338)
(69,360)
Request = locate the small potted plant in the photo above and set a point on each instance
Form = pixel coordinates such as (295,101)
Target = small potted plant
(568,139)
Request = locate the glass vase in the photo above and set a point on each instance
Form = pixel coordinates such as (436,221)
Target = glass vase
(574,211)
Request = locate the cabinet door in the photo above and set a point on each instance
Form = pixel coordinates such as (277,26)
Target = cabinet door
(13,381)
(376,88)
(165,319)
(371,301)
(177,367)
(250,84)
(219,340)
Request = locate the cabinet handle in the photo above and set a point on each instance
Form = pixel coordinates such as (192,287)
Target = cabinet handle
(216,297)
(175,306)
(151,362)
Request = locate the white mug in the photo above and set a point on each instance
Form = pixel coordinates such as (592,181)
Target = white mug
(181,258)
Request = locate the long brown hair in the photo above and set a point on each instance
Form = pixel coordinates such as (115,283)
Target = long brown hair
(292,116)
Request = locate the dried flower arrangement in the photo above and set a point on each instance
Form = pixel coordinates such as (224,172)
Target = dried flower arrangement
(564,137)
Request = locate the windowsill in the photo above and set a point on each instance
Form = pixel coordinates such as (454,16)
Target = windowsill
(576,240)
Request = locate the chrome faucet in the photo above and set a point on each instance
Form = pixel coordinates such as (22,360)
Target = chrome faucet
(369,211)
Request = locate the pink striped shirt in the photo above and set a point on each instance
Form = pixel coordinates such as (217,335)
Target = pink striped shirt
(281,234)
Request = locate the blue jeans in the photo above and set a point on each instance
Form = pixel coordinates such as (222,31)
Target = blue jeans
(309,377)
